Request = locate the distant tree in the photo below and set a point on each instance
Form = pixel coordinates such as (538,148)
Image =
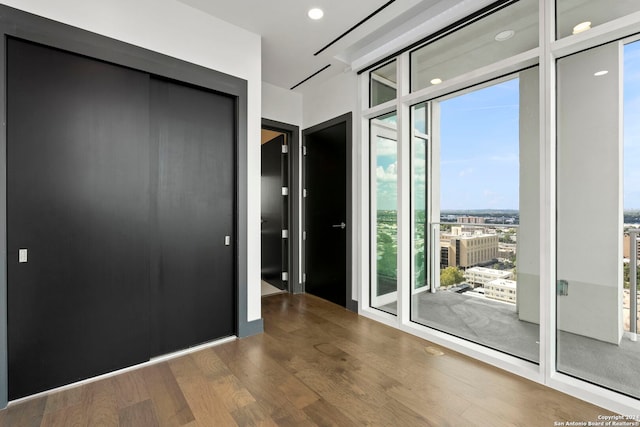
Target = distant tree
(384,238)
(388,261)
(507,236)
(625,271)
(419,263)
(451,276)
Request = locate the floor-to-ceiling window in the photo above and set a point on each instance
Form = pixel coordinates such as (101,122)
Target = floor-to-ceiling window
(516,198)
(631,190)
(479,154)
(597,198)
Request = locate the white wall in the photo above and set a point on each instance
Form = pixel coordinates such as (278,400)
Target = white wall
(589,198)
(333,98)
(177,30)
(281,105)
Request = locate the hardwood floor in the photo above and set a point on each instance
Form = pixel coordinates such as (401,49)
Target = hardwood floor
(316,364)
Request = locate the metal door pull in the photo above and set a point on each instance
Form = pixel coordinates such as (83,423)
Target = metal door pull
(341,225)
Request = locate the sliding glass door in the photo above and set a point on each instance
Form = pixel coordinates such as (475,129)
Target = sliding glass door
(598,216)
(481,223)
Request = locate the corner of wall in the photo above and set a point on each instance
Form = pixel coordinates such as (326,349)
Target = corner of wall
(331,98)
(281,105)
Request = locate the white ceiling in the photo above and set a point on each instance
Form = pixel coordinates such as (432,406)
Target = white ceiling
(290,38)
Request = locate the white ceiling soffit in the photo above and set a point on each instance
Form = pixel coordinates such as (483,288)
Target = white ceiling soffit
(475,46)
(436,17)
(290,39)
(297,51)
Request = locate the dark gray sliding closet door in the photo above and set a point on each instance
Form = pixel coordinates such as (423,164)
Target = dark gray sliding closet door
(120,198)
(78,202)
(193,297)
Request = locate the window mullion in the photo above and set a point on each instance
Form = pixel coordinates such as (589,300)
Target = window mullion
(547,191)
(405,243)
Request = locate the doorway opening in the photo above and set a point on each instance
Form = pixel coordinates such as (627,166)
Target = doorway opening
(280,235)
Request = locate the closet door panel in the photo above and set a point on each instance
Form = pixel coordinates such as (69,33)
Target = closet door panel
(194,298)
(78,184)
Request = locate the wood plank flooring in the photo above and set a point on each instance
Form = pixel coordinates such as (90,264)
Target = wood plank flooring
(315,365)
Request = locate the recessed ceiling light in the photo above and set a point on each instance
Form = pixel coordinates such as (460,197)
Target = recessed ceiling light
(582,27)
(601,73)
(315,13)
(504,35)
(436,81)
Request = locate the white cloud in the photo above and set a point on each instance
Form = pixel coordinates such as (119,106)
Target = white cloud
(419,163)
(506,158)
(419,169)
(388,175)
(465,172)
(386,147)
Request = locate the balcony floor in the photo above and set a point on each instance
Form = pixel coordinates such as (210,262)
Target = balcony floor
(480,320)
(496,325)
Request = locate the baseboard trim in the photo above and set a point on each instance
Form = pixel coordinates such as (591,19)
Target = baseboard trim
(254,327)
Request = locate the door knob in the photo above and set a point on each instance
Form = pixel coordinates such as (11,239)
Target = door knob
(342,225)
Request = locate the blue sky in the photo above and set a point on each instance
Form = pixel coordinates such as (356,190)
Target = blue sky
(632,126)
(480,144)
(479,149)
(479,153)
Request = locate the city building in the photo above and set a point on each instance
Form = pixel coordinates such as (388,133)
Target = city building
(471,220)
(626,247)
(507,250)
(502,290)
(464,249)
(481,276)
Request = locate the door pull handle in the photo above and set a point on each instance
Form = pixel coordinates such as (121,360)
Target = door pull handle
(342,225)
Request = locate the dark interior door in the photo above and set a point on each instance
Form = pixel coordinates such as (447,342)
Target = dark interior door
(78,182)
(326,213)
(194,296)
(272,212)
